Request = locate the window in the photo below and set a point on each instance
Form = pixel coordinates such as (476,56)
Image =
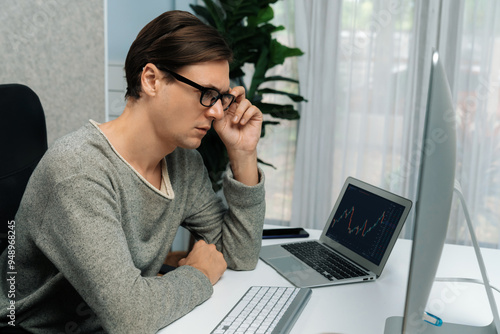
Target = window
(364,75)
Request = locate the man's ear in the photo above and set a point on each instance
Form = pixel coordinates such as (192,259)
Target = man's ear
(150,79)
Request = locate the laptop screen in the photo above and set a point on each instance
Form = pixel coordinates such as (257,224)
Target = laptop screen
(365,223)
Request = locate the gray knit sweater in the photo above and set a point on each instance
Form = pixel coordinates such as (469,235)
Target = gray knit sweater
(91,235)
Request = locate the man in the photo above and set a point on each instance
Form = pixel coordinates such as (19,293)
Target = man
(103,206)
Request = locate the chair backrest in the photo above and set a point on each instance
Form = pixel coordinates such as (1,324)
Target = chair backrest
(23,141)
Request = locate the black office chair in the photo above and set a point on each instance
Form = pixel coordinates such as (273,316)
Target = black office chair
(23,141)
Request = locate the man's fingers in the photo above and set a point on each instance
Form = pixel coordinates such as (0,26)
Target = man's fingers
(242,112)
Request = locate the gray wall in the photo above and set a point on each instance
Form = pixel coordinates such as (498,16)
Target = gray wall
(56,47)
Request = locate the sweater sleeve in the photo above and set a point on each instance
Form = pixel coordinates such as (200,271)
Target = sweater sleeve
(242,228)
(236,230)
(82,235)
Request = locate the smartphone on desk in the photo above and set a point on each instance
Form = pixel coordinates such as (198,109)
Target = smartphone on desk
(289,232)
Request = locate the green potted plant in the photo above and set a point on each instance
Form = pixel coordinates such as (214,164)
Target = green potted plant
(246,26)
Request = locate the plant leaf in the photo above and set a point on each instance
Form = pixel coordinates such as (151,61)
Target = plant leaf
(279,52)
(266,123)
(216,13)
(283,111)
(238,10)
(265,163)
(269,28)
(294,97)
(270,123)
(204,14)
(280,78)
(265,14)
(259,73)
(263,3)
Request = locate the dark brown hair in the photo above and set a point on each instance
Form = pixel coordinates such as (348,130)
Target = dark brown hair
(173,40)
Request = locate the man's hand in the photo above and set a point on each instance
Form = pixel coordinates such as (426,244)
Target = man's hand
(240,130)
(241,125)
(207,259)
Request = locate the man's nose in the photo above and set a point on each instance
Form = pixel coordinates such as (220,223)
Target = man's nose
(216,111)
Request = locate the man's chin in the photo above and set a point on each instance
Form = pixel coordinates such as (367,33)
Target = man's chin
(191,145)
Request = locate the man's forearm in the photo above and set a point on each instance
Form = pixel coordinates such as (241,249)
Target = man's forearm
(244,167)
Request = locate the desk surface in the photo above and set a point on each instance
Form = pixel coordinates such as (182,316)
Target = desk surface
(361,307)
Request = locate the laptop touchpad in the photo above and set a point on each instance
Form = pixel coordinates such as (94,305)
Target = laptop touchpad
(288,264)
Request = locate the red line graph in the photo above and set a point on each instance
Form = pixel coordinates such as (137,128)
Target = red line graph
(364,229)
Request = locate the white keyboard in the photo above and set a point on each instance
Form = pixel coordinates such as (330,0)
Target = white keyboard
(265,309)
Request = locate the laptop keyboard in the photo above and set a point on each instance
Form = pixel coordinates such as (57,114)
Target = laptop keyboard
(324,261)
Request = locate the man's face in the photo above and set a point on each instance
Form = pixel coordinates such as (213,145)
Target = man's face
(179,117)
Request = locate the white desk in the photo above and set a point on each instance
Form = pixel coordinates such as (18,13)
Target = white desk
(361,307)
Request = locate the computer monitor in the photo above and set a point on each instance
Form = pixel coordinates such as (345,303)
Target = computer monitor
(433,203)
(434,196)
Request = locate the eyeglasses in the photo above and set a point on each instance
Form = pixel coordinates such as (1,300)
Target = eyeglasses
(209,96)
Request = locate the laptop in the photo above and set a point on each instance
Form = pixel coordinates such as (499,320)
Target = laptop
(355,244)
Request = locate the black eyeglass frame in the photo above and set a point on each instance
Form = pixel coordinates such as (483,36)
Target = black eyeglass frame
(202,89)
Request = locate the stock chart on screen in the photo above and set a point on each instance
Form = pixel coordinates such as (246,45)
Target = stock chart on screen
(364,223)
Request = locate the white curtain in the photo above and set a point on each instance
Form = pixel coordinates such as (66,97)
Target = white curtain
(317,34)
(366,74)
(474,78)
(356,76)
